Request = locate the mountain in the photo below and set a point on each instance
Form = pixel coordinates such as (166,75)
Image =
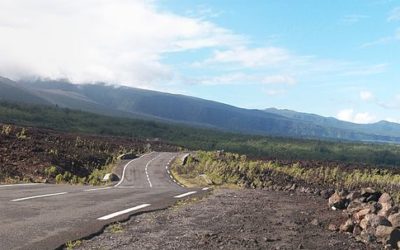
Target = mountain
(380,128)
(10,91)
(152,105)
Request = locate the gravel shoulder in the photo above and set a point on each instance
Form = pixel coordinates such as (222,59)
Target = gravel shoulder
(232,219)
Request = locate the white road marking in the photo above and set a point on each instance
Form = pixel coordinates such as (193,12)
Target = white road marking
(126,165)
(205,189)
(185,194)
(16,185)
(96,189)
(146,170)
(39,196)
(107,217)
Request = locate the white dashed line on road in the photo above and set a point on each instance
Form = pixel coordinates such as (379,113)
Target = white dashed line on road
(39,196)
(147,172)
(185,194)
(96,189)
(126,165)
(22,184)
(205,189)
(110,216)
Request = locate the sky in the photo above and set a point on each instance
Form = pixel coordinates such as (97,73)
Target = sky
(337,58)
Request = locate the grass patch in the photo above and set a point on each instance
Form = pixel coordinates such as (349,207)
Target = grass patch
(116,228)
(73,244)
(233,170)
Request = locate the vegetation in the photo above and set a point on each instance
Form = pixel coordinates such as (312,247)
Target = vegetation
(73,244)
(235,169)
(94,178)
(261,147)
(116,228)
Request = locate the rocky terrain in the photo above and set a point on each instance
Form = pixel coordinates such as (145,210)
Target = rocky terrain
(234,219)
(26,153)
(372,216)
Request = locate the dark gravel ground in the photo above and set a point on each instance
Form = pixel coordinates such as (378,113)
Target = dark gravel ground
(232,219)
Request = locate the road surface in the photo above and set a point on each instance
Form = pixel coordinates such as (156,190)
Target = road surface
(43,216)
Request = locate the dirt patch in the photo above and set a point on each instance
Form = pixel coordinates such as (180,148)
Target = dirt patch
(26,152)
(233,219)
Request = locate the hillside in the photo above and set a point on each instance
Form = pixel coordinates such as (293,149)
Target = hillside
(279,148)
(380,128)
(151,105)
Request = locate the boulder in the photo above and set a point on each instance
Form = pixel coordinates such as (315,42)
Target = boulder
(355,206)
(369,194)
(348,226)
(386,198)
(382,233)
(110,177)
(361,214)
(337,201)
(333,227)
(367,190)
(367,236)
(386,204)
(394,238)
(394,219)
(373,221)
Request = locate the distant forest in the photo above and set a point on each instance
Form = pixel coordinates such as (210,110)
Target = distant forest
(260,147)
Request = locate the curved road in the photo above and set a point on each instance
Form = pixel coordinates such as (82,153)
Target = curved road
(43,216)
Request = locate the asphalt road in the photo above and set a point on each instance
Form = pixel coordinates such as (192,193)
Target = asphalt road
(44,216)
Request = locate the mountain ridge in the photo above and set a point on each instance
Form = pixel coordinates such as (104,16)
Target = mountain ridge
(122,101)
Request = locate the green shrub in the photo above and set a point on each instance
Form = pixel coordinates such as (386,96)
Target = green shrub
(51,171)
(59,178)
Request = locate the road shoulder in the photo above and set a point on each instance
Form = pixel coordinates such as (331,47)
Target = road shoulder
(232,219)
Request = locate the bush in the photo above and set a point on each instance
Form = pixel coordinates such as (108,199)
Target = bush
(51,172)
(59,178)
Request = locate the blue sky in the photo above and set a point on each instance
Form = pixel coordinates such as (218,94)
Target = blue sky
(343,56)
(334,58)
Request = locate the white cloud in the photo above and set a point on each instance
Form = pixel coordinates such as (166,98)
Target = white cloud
(366,70)
(383,40)
(350,116)
(391,103)
(275,92)
(279,79)
(116,41)
(366,95)
(394,15)
(251,57)
(228,79)
(126,41)
(244,79)
(345,115)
